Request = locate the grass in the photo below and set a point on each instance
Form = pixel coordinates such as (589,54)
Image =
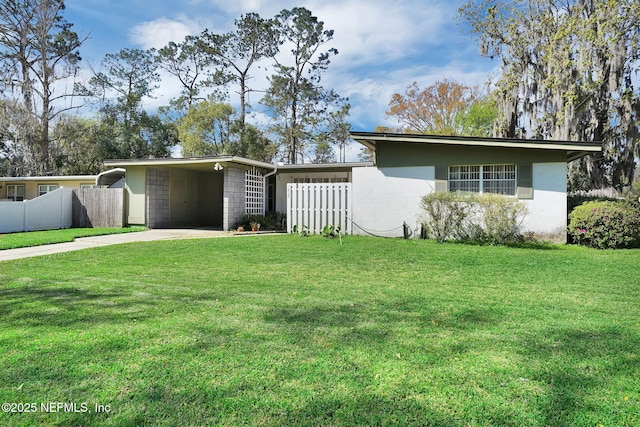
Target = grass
(37,238)
(281,330)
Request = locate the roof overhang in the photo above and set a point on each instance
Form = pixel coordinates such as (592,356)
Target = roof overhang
(204,164)
(574,150)
(323,167)
(55,178)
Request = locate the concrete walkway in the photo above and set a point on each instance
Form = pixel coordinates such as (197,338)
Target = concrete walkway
(112,239)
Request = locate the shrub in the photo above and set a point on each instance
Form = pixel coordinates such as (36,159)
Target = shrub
(444,214)
(486,218)
(501,218)
(270,221)
(605,225)
(330,231)
(301,231)
(575,200)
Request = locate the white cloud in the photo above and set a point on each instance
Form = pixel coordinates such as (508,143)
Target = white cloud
(266,8)
(157,33)
(383,47)
(368,32)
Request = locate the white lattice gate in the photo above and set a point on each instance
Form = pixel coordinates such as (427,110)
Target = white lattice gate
(317,205)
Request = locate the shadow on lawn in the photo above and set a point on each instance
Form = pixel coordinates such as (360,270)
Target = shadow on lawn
(568,365)
(577,363)
(384,325)
(370,409)
(415,311)
(402,410)
(68,307)
(527,244)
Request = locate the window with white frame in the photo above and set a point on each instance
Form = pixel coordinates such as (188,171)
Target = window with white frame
(499,179)
(254,185)
(15,192)
(464,178)
(46,188)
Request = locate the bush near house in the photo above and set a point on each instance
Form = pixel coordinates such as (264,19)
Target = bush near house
(485,218)
(606,225)
(498,219)
(445,213)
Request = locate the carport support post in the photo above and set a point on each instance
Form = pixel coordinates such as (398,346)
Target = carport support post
(234,194)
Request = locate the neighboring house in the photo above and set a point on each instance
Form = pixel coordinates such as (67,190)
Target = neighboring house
(39,202)
(26,188)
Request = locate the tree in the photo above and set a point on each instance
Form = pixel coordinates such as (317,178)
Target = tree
(334,130)
(237,51)
(129,76)
(478,118)
(433,110)
(37,49)
(295,98)
(190,65)
(323,153)
(205,129)
(255,145)
(78,146)
(209,129)
(16,125)
(568,69)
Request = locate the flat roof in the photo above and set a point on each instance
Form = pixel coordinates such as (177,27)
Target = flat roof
(196,163)
(323,167)
(49,178)
(574,149)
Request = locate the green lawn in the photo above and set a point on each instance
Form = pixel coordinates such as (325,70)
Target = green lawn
(37,238)
(282,330)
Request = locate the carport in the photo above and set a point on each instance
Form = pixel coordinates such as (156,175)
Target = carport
(193,192)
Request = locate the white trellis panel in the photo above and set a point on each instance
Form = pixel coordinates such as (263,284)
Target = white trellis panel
(254,185)
(317,205)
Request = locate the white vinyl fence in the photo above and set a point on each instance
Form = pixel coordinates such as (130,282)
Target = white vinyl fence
(47,212)
(317,205)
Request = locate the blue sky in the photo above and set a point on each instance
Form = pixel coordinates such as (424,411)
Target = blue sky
(383,45)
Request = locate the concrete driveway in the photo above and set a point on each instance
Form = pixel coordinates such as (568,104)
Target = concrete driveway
(112,239)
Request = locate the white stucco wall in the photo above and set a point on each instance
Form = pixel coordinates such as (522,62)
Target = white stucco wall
(547,211)
(385,198)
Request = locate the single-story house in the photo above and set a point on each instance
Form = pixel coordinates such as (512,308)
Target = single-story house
(25,188)
(384,194)
(375,197)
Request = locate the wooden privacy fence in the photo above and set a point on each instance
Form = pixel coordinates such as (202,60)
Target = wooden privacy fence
(98,207)
(317,205)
